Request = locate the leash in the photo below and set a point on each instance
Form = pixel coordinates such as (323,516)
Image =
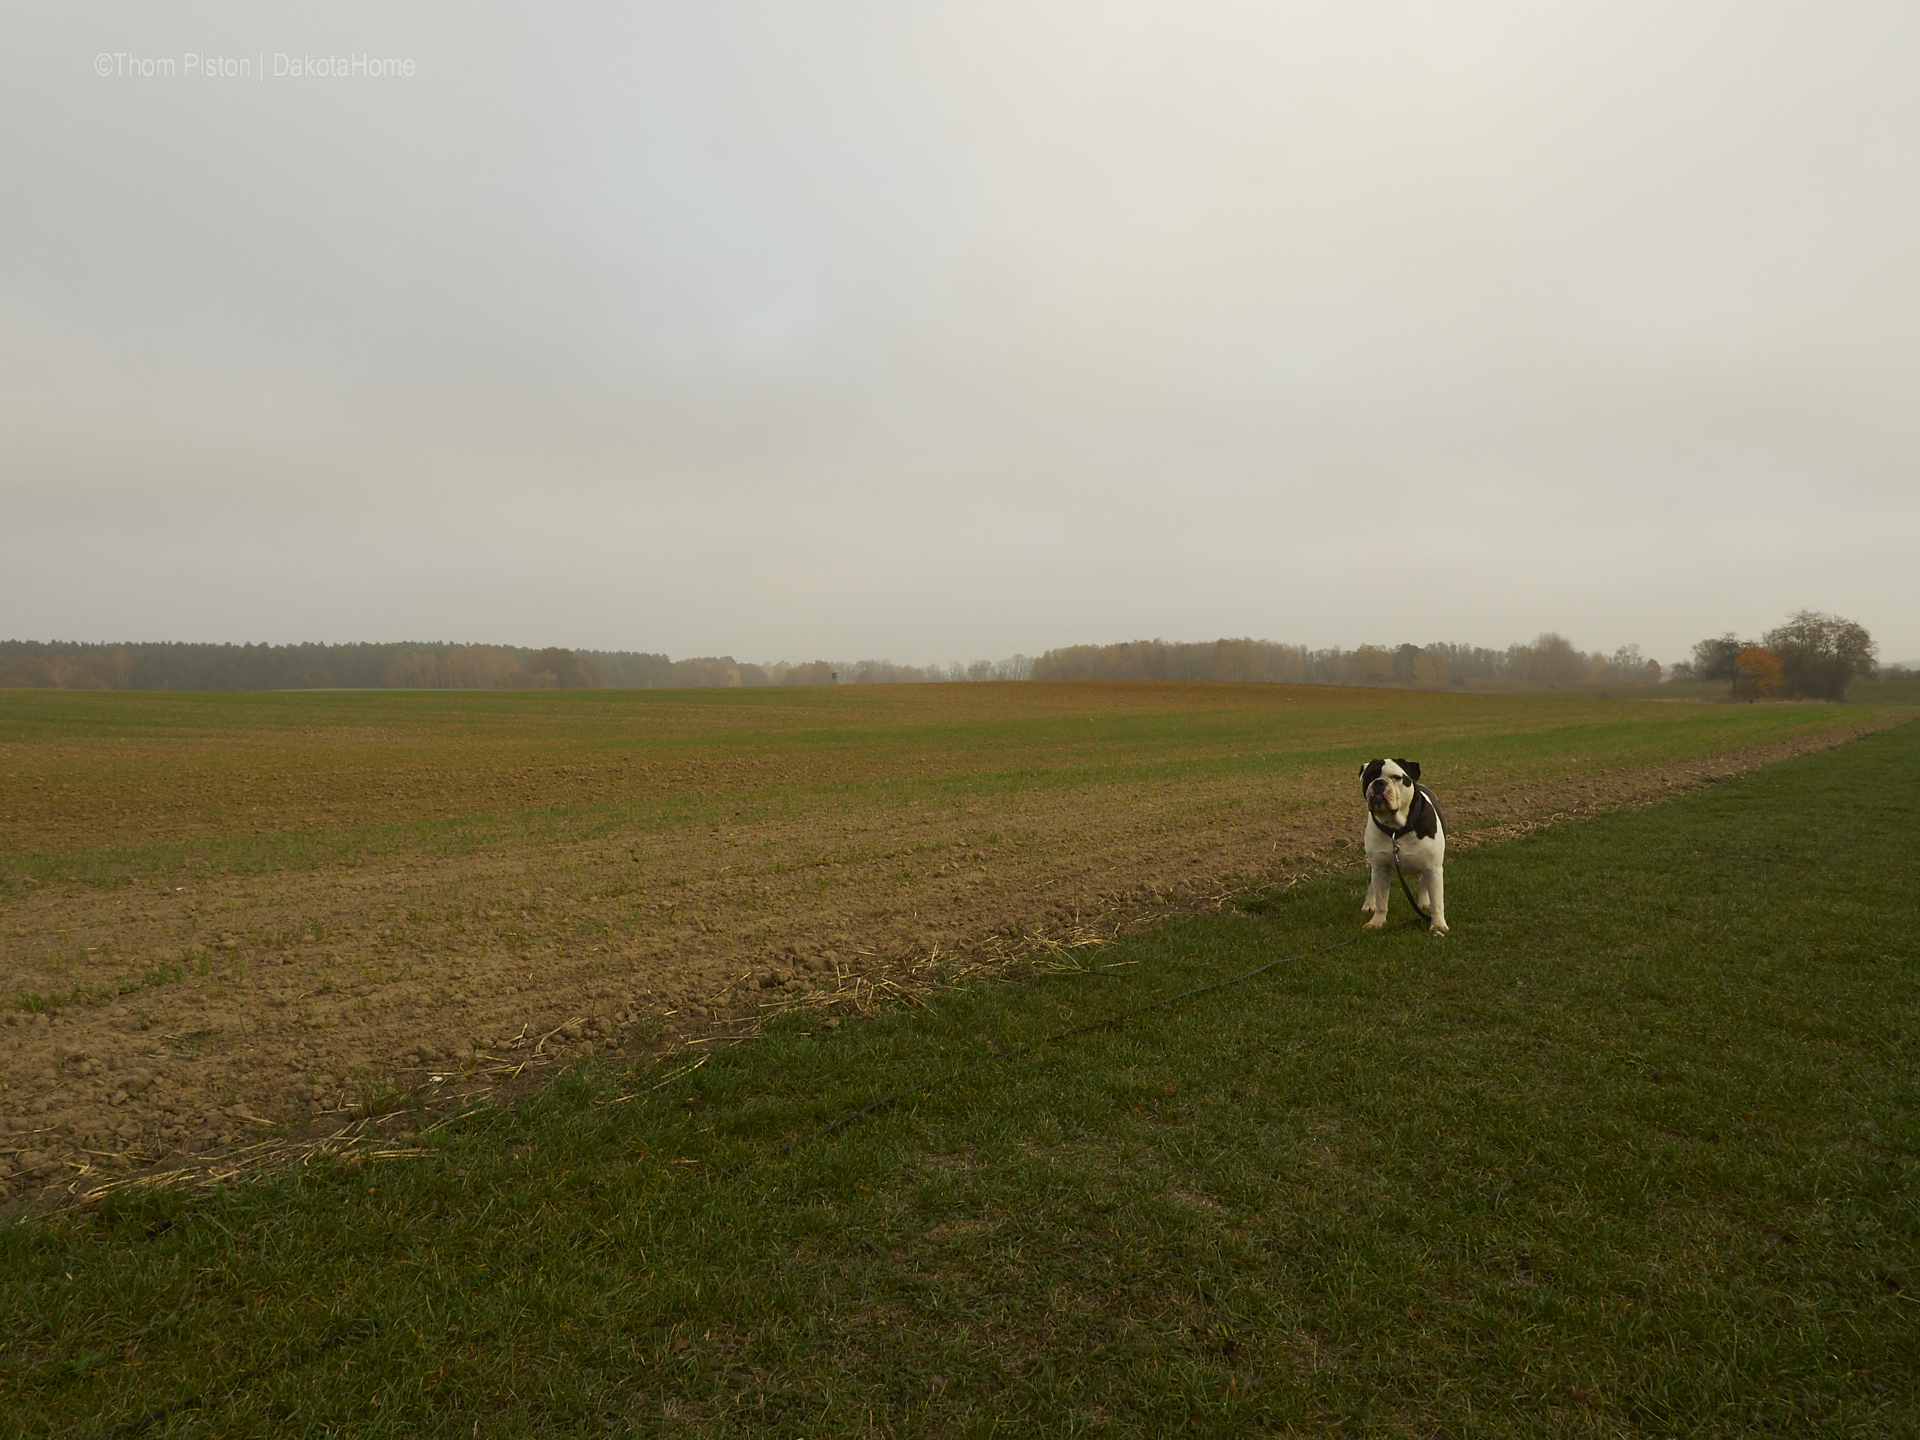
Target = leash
(1404,888)
(1016,1051)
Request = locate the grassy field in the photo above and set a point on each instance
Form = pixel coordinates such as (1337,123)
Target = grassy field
(1634,1151)
(103,786)
(224,912)
(1887,692)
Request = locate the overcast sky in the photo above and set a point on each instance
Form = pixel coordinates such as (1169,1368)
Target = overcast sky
(945,331)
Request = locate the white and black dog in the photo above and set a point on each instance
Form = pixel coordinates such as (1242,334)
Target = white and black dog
(1403,826)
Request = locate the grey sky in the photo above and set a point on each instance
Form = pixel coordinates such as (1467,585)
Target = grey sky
(941,331)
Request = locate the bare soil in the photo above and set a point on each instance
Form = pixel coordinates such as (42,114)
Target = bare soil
(222,1011)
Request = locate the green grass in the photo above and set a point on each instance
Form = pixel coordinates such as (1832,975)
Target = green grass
(1635,1151)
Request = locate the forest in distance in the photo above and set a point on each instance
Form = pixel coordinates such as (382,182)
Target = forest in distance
(1549,662)
(411,665)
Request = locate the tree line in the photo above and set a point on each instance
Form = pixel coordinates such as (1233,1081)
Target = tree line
(1550,662)
(1811,655)
(63,665)
(723,670)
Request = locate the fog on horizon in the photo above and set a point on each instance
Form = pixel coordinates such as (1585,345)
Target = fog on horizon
(955,331)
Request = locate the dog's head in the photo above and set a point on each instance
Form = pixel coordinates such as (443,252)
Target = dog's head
(1388,784)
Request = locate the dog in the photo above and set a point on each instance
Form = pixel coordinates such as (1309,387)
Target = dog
(1404,827)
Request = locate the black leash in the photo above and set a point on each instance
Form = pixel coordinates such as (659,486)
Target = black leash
(291,1360)
(1404,888)
(299,1355)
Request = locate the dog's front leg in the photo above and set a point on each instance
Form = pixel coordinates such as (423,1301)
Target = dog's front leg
(1377,895)
(1436,897)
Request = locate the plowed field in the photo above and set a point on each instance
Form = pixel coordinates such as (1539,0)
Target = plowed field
(220,915)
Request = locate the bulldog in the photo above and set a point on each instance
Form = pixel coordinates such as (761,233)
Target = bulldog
(1404,828)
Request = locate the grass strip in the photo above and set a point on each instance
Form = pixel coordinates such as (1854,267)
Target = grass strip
(1634,1151)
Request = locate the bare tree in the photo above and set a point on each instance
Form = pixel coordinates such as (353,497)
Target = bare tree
(1822,654)
(1713,659)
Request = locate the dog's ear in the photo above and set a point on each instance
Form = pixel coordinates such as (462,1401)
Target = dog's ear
(1412,767)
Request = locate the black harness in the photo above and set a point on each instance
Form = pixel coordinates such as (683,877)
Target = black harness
(1415,814)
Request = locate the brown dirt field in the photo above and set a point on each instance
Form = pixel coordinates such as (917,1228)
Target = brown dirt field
(186,1011)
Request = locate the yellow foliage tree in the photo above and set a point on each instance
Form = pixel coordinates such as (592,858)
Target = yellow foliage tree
(1372,666)
(1757,672)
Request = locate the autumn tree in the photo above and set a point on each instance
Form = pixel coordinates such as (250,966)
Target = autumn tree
(1756,673)
(1372,665)
(707,672)
(568,670)
(1550,661)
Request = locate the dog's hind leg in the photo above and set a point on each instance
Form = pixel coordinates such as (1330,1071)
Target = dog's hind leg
(1433,889)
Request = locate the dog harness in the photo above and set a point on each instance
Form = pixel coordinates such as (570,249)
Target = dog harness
(1413,816)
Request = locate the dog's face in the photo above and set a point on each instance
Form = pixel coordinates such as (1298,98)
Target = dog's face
(1388,784)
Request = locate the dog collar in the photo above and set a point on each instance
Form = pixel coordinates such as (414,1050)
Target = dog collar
(1396,834)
